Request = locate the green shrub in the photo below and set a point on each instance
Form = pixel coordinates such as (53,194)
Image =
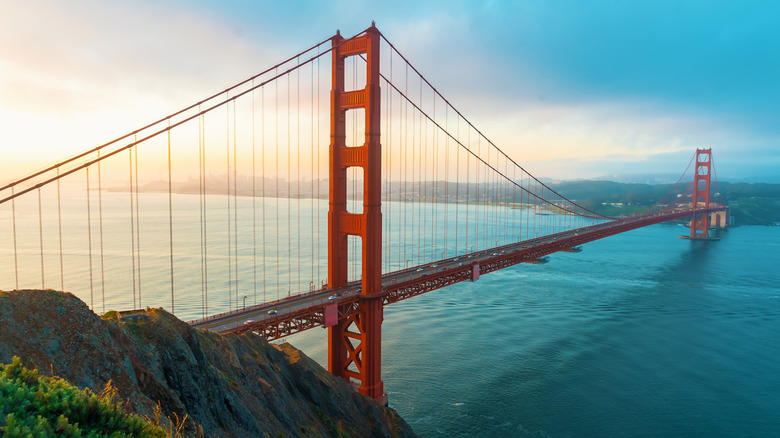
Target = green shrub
(32,405)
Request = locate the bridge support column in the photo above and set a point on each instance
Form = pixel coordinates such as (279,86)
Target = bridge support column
(355,343)
(701,194)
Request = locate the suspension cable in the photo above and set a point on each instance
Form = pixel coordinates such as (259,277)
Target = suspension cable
(470,124)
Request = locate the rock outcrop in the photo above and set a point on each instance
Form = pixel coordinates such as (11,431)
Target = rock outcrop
(232,386)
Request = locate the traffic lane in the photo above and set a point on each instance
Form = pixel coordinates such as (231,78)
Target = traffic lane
(261,314)
(282,308)
(285,307)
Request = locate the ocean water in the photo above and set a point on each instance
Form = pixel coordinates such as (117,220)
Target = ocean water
(640,334)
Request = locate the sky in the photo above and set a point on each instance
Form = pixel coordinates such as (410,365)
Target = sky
(569,89)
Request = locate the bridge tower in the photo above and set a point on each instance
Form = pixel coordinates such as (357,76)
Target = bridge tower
(355,342)
(701,194)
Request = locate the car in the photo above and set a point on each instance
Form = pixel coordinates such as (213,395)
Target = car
(334,297)
(249,321)
(272,312)
(420,269)
(435,265)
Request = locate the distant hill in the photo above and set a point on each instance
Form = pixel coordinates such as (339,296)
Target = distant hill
(751,204)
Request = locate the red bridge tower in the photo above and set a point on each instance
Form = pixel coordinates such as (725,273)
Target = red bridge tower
(701,194)
(355,342)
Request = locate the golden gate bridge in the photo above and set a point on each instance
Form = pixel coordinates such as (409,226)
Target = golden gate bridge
(229,206)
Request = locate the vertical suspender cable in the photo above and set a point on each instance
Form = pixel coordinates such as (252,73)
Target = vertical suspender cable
(514,202)
(89,242)
(406,155)
(434,189)
(227,197)
(205,222)
(16,254)
(446,173)
(100,221)
(318,163)
(401,242)
(476,198)
(59,227)
(313,210)
(486,221)
(262,188)
(40,230)
(132,225)
(170,216)
(420,206)
(137,224)
(425,178)
(235,204)
(276,178)
(389,166)
(384,189)
(414,152)
(254,203)
(457,183)
(289,195)
(468,185)
(298,147)
(201,198)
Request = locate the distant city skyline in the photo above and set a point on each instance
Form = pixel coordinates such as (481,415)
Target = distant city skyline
(569,90)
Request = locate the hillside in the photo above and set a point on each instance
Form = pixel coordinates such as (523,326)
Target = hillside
(233,386)
(751,204)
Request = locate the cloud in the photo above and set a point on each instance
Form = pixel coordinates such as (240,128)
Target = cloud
(610,82)
(76,74)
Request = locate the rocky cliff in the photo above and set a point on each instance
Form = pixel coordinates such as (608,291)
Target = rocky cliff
(232,386)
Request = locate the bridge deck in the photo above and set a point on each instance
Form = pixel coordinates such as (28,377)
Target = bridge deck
(276,319)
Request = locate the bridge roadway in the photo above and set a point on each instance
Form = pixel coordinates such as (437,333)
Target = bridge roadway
(276,319)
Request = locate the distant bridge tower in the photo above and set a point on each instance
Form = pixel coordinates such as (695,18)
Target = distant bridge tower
(355,342)
(701,194)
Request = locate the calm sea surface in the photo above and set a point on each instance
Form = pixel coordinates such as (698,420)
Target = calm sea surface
(640,334)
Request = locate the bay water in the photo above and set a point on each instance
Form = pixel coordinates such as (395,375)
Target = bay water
(640,334)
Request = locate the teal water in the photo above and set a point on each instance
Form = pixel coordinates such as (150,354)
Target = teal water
(641,334)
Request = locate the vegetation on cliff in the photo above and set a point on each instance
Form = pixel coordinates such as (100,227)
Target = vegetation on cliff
(232,386)
(39,406)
